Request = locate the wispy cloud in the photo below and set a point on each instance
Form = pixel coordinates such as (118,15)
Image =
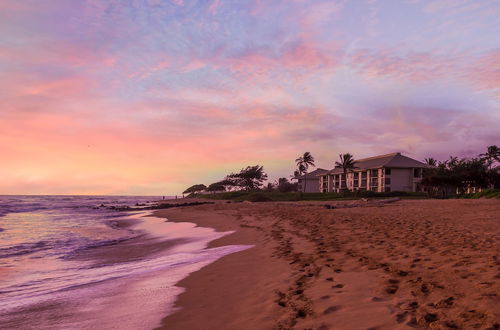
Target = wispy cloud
(131,96)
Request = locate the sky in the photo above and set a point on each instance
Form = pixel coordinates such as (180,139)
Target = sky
(148,97)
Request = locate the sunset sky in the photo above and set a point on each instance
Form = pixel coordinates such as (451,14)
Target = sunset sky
(152,96)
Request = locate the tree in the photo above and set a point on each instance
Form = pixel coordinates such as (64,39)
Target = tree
(283,185)
(217,186)
(456,176)
(270,187)
(303,163)
(346,162)
(430,161)
(249,178)
(195,188)
(298,172)
(491,156)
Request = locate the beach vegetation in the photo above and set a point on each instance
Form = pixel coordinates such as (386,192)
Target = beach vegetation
(217,187)
(283,185)
(303,163)
(258,197)
(319,196)
(431,161)
(491,156)
(460,176)
(249,179)
(195,189)
(346,163)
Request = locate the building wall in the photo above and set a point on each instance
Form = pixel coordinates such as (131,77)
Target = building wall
(325,183)
(401,179)
(312,185)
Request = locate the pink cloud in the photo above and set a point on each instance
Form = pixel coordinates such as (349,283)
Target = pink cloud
(481,72)
(298,60)
(214,6)
(485,72)
(412,66)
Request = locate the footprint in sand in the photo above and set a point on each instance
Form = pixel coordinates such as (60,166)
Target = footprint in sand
(331,309)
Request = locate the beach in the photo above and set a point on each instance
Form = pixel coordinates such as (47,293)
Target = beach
(352,265)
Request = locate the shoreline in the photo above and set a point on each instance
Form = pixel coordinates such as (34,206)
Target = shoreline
(140,268)
(404,265)
(214,297)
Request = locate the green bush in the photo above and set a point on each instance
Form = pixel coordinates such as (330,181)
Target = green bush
(258,197)
(487,193)
(300,196)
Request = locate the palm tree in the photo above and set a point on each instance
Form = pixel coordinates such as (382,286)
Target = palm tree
(298,172)
(346,162)
(303,163)
(430,161)
(492,154)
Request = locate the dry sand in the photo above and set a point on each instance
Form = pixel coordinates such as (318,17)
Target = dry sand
(410,264)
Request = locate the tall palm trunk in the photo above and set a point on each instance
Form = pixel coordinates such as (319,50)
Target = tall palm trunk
(305,181)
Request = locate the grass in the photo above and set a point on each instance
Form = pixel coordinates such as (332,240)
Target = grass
(265,196)
(487,193)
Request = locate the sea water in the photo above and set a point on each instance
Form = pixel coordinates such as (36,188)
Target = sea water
(46,283)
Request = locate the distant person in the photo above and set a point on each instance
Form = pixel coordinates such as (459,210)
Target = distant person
(163,197)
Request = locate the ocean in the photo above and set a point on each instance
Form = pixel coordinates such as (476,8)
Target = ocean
(74,262)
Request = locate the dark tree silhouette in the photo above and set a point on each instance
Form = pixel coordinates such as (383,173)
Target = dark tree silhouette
(249,178)
(217,186)
(491,156)
(431,161)
(303,163)
(195,188)
(346,163)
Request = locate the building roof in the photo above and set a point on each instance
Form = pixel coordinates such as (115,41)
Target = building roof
(394,160)
(314,174)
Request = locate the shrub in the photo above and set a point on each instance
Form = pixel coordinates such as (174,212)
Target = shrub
(487,193)
(258,197)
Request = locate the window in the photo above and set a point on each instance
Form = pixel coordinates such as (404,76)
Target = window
(387,171)
(374,173)
(387,181)
(417,172)
(363,175)
(387,189)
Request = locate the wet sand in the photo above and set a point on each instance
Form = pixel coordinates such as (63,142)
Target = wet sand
(129,281)
(409,264)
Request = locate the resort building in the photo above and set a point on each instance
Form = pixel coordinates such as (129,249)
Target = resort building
(391,172)
(309,182)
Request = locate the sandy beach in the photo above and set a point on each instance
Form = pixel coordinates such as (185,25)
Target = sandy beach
(361,265)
